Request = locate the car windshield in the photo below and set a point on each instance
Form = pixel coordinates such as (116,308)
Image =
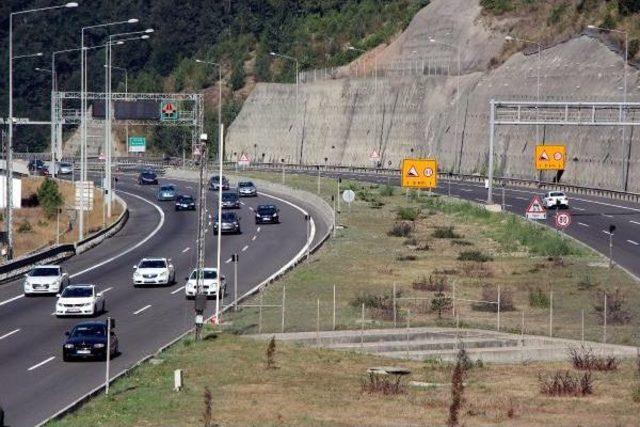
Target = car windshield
(228,217)
(152,264)
(77,292)
(166,188)
(245,184)
(557,194)
(266,210)
(229,196)
(88,331)
(186,199)
(44,272)
(208,274)
(65,165)
(148,174)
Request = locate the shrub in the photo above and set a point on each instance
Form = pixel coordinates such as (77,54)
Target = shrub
(49,197)
(383,384)
(476,256)
(408,214)
(539,299)
(403,257)
(386,191)
(457,387)
(490,293)
(207,413)
(381,306)
(400,229)
(25,227)
(617,313)
(445,233)
(271,353)
(585,360)
(411,241)
(476,270)
(459,242)
(635,394)
(440,303)
(565,384)
(430,284)
(586,283)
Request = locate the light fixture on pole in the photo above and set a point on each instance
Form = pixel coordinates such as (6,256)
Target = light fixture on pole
(9,159)
(291,58)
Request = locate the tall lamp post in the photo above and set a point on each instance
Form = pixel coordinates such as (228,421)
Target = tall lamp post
(291,58)
(625,162)
(9,184)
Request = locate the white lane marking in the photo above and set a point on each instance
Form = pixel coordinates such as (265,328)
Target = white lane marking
(522,198)
(245,248)
(607,216)
(185,250)
(37,365)
(632,222)
(253,238)
(242,203)
(258,230)
(8,334)
(178,290)
(466,190)
(7,301)
(606,232)
(630,241)
(577,208)
(251,209)
(188,187)
(136,246)
(142,309)
(228,261)
(583,224)
(106,290)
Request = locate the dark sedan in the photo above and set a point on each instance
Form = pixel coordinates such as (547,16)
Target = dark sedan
(148,178)
(214,183)
(230,200)
(267,214)
(88,340)
(230,223)
(186,203)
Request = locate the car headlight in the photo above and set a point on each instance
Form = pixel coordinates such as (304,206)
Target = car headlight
(137,275)
(26,284)
(98,345)
(69,346)
(275,215)
(164,274)
(88,304)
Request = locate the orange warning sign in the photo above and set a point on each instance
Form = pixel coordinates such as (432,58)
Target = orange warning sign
(420,173)
(550,157)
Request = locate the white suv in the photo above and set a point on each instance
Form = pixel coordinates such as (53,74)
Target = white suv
(80,300)
(209,283)
(45,279)
(555,199)
(154,271)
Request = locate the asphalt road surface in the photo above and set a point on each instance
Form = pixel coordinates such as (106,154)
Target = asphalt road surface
(35,383)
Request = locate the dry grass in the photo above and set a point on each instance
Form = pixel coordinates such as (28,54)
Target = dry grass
(44,229)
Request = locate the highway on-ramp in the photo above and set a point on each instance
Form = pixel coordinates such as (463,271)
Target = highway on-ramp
(34,381)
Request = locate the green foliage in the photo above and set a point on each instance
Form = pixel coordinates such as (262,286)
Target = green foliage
(538,241)
(497,6)
(238,75)
(408,214)
(445,233)
(386,191)
(476,256)
(25,227)
(49,197)
(539,299)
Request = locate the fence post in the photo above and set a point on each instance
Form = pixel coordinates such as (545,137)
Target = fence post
(551,313)
(284,296)
(604,329)
(394,306)
(362,327)
(334,307)
(453,299)
(457,326)
(260,314)
(498,308)
(522,329)
(582,326)
(318,323)
(408,324)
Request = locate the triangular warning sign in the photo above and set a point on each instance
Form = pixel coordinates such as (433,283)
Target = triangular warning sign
(244,158)
(544,156)
(536,206)
(413,172)
(374,155)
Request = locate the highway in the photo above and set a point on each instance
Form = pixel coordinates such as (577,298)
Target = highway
(591,216)
(35,383)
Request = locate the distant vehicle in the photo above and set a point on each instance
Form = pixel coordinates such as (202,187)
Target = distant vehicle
(45,279)
(214,183)
(267,214)
(210,285)
(247,189)
(154,271)
(230,200)
(555,199)
(88,340)
(185,202)
(166,193)
(65,168)
(148,177)
(35,166)
(80,300)
(230,223)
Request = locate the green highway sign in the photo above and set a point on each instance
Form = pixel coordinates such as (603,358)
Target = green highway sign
(137,144)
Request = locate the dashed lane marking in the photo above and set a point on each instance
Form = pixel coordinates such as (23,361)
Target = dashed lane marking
(8,334)
(37,365)
(142,309)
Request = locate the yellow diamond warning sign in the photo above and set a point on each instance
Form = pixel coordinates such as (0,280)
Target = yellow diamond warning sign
(550,157)
(420,173)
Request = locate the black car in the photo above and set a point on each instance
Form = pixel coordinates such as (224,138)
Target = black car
(230,223)
(36,166)
(214,183)
(88,340)
(184,202)
(230,200)
(148,178)
(267,214)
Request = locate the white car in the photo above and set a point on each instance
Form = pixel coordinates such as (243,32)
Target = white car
(154,271)
(210,284)
(80,300)
(555,199)
(45,279)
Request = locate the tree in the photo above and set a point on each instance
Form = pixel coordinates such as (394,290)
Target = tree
(49,197)
(237,75)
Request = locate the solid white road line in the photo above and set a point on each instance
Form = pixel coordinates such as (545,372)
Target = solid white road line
(36,366)
(630,241)
(185,250)
(228,261)
(8,334)
(142,309)
(253,238)
(177,290)
(583,224)
(134,247)
(522,198)
(607,216)
(632,222)
(577,208)
(251,209)
(258,230)
(7,301)
(245,248)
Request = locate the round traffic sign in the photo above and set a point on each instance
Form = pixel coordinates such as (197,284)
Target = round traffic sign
(557,156)
(428,172)
(348,196)
(563,220)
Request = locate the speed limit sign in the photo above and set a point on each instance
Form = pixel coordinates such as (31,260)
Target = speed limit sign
(563,220)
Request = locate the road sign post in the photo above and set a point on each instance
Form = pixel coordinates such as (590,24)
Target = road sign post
(349,196)
(419,173)
(563,220)
(536,210)
(137,144)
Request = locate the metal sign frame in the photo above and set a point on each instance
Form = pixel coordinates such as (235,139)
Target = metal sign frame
(558,113)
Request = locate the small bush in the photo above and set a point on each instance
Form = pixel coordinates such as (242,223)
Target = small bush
(381,306)
(445,233)
(457,387)
(476,270)
(635,394)
(271,353)
(408,214)
(586,283)
(386,191)
(383,384)
(430,284)
(406,257)
(400,229)
(459,242)
(585,360)
(25,227)
(376,204)
(475,256)
(411,241)
(490,293)
(565,384)
(49,197)
(539,299)
(617,313)
(441,303)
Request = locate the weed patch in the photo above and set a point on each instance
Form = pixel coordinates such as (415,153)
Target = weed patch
(400,229)
(445,233)
(475,256)
(584,359)
(539,299)
(565,384)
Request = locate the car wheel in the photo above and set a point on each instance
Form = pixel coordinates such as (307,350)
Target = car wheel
(95,310)
(104,307)
(65,358)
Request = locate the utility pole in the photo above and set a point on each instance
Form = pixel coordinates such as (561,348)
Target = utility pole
(200,302)
(235,259)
